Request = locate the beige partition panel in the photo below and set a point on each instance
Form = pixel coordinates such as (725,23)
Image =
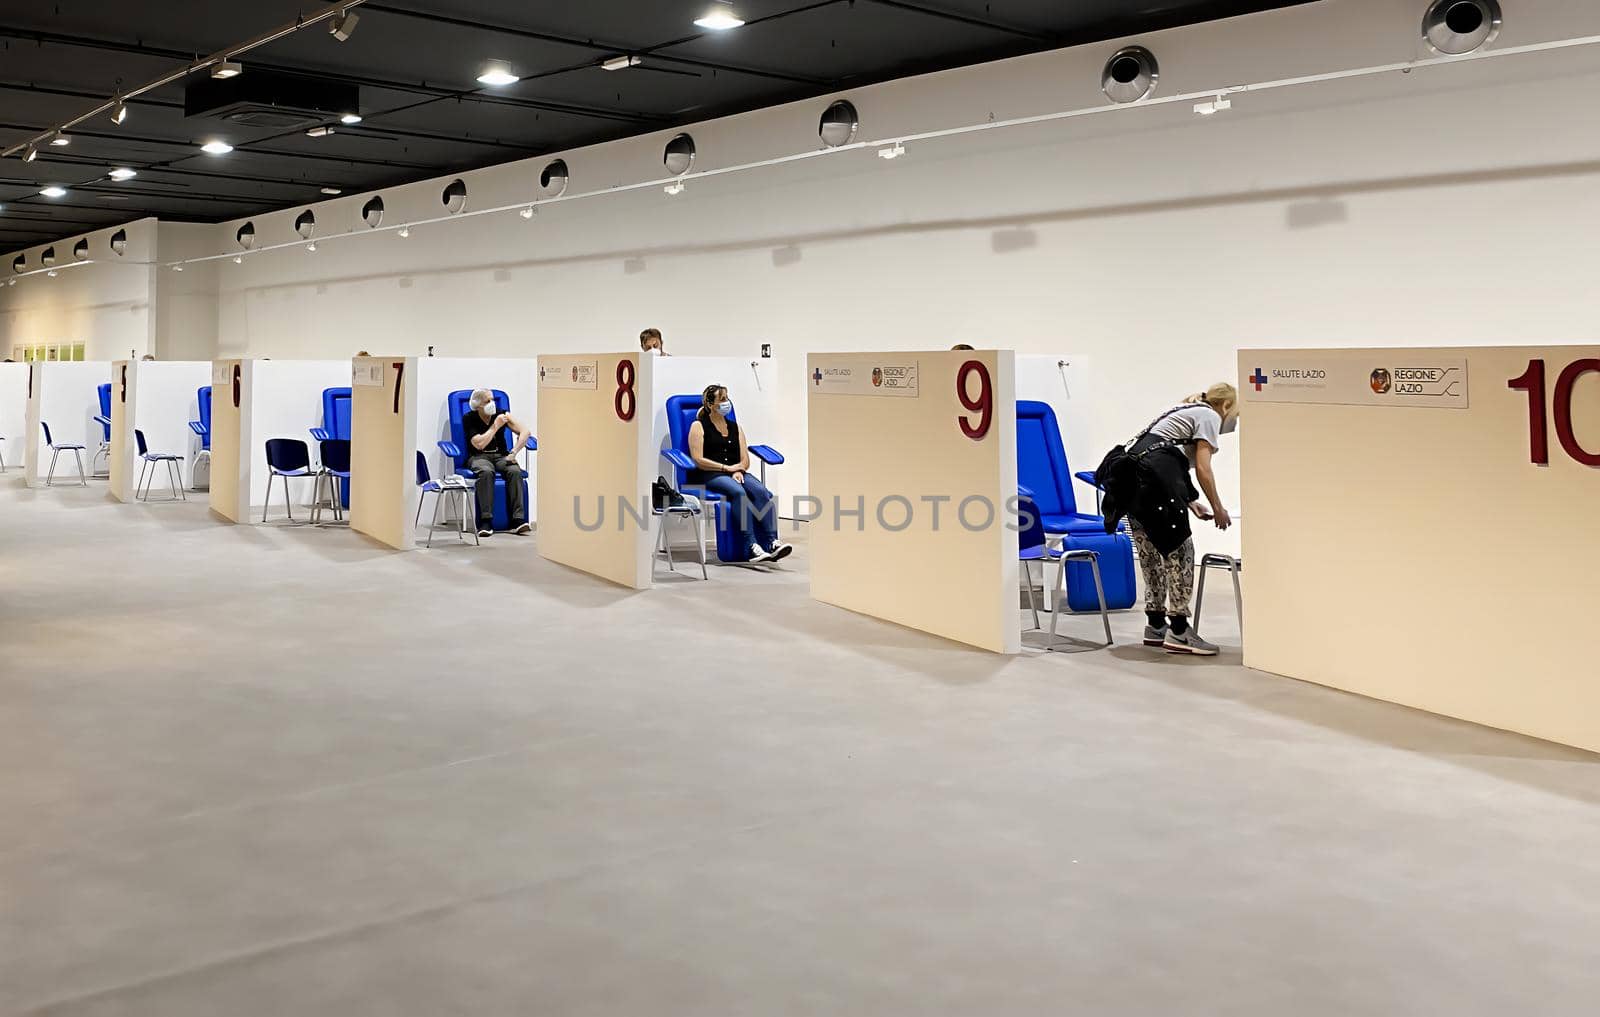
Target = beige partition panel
(1406,543)
(230,440)
(933,471)
(122,448)
(383,442)
(595,464)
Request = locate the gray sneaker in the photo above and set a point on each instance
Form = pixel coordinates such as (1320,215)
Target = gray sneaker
(1189,642)
(1154,636)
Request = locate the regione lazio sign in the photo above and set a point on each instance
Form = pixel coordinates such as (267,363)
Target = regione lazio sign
(1357,378)
(563,372)
(853,377)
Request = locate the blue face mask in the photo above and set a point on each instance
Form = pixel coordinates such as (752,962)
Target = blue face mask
(725,407)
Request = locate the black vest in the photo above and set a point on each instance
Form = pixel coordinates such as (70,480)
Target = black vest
(716,447)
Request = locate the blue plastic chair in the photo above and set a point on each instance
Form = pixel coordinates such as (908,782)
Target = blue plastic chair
(336,417)
(55,453)
(441,489)
(286,457)
(103,418)
(148,461)
(681,413)
(1033,546)
(457,404)
(1042,468)
(202,427)
(335,455)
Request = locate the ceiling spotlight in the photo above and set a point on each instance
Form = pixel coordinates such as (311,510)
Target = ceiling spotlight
(405,231)
(238,259)
(527,213)
(177,268)
(312,246)
(123,173)
(350,118)
(51,273)
(216,147)
(119,112)
(333,190)
(226,69)
(319,132)
(496,75)
(719,17)
(892,153)
(54,192)
(60,141)
(343,26)
(1217,105)
(30,153)
(675,188)
(621,63)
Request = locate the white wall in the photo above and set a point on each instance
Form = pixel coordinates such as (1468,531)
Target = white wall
(752,385)
(1431,207)
(13,414)
(164,397)
(283,399)
(185,322)
(106,304)
(65,396)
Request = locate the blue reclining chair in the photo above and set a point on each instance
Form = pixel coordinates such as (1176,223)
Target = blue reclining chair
(1043,472)
(681,411)
(336,427)
(103,418)
(457,404)
(202,427)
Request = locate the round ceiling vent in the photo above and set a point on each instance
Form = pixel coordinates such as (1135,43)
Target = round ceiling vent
(306,224)
(119,243)
(839,124)
(1130,75)
(678,157)
(455,196)
(372,212)
(553,180)
(246,236)
(1455,27)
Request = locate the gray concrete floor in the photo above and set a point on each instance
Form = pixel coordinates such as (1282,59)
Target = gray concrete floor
(280,771)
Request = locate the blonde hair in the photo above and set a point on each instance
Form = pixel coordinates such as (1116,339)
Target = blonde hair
(1220,397)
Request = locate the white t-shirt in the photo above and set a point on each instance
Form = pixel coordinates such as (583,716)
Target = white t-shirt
(1193,422)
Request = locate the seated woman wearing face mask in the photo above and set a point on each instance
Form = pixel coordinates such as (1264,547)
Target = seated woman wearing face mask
(1147,480)
(722,458)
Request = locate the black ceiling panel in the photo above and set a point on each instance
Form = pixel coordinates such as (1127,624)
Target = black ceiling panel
(415,63)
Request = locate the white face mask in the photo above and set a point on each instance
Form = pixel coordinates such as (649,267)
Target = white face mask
(725,407)
(654,351)
(488,408)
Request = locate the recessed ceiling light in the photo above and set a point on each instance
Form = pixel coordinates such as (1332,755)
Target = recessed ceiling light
(719,17)
(227,69)
(333,190)
(350,118)
(621,63)
(497,75)
(215,147)
(123,173)
(54,192)
(60,141)
(319,132)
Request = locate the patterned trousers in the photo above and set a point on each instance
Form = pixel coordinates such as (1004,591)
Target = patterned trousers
(1168,579)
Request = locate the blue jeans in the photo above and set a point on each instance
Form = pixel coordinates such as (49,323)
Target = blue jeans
(755,516)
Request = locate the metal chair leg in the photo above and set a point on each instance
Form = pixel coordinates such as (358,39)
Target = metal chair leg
(1061,593)
(287,506)
(268,503)
(1100,592)
(1238,596)
(1027,577)
(83,478)
(1199,596)
(700,540)
(433,521)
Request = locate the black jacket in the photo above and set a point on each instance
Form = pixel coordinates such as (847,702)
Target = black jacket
(1149,482)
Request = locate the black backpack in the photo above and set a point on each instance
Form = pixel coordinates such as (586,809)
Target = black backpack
(663,495)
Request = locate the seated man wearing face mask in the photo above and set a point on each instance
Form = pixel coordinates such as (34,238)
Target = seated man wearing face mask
(488,453)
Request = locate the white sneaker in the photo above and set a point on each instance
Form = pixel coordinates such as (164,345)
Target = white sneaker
(758,556)
(780,550)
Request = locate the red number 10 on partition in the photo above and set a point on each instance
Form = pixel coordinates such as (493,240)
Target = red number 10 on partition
(1532,382)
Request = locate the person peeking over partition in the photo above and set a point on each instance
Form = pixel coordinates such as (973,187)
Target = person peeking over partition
(488,454)
(722,460)
(650,342)
(1147,480)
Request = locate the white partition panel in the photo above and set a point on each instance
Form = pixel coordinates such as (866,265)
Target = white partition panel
(158,398)
(752,385)
(13,415)
(595,464)
(65,396)
(1423,528)
(252,401)
(915,484)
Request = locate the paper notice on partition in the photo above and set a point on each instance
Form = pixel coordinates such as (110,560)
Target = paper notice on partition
(219,372)
(368,373)
(858,378)
(1356,378)
(566,372)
